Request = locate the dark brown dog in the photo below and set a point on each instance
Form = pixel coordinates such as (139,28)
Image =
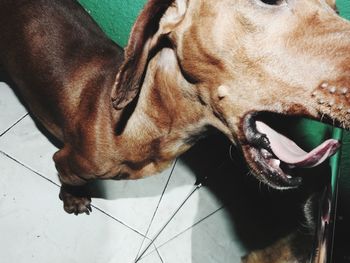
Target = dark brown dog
(189,65)
(309,242)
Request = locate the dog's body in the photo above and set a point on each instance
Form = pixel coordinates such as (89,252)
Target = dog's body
(189,65)
(65,68)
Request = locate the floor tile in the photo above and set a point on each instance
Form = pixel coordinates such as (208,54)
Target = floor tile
(11,110)
(27,144)
(213,240)
(132,202)
(199,205)
(153,257)
(34,228)
(190,213)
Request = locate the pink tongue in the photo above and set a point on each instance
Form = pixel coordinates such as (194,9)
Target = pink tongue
(290,153)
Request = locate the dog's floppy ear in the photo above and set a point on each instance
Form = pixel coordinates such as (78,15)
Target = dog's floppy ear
(159,17)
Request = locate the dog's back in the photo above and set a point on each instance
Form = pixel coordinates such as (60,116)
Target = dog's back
(53,50)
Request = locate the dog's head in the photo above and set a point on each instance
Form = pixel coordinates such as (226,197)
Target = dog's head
(246,59)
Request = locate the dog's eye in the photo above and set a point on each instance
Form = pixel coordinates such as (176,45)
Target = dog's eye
(273,2)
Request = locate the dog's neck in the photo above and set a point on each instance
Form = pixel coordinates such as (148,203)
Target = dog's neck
(168,110)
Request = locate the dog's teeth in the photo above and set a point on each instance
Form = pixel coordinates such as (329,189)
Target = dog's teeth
(275,163)
(265,153)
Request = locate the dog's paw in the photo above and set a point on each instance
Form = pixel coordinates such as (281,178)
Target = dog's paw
(75,202)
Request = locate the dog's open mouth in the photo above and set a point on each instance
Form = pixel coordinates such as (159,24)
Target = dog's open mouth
(274,157)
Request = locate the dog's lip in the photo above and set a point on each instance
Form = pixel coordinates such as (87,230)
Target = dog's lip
(270,171)
(274,155)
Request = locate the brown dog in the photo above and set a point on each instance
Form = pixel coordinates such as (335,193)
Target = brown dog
(189,65)
(309,242)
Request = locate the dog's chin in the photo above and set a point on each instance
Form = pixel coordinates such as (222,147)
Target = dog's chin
(274,158)
(269,169)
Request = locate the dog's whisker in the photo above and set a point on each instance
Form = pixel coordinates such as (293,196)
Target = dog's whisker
(230,152)
(260,186)
(234,160)
(304,227)
(322,117)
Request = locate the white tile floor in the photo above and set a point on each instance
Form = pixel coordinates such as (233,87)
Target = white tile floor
(126,214)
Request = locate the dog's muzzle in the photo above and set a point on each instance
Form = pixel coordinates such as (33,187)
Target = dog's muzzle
(273,157)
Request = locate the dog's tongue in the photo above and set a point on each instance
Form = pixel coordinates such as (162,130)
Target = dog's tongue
(290,153)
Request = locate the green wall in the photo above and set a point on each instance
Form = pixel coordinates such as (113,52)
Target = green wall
(344,8)
(116,17)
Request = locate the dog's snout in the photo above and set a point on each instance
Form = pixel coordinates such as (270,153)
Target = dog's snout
(335,89)
(333,100)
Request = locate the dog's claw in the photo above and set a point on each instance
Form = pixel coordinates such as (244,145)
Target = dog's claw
(75,204)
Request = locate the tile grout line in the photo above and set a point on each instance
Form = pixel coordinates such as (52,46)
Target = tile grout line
(14,124)
(155,212)
(160,257)
(195,189)
(183,231)
(186,229)
(117,220)
(190,227)
(27,167)
(156,249)
(51,181)
(199,221)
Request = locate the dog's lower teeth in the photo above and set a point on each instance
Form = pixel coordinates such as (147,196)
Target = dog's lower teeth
(266,154)
(275,163)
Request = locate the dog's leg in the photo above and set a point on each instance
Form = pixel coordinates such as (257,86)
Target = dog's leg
(74,193)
